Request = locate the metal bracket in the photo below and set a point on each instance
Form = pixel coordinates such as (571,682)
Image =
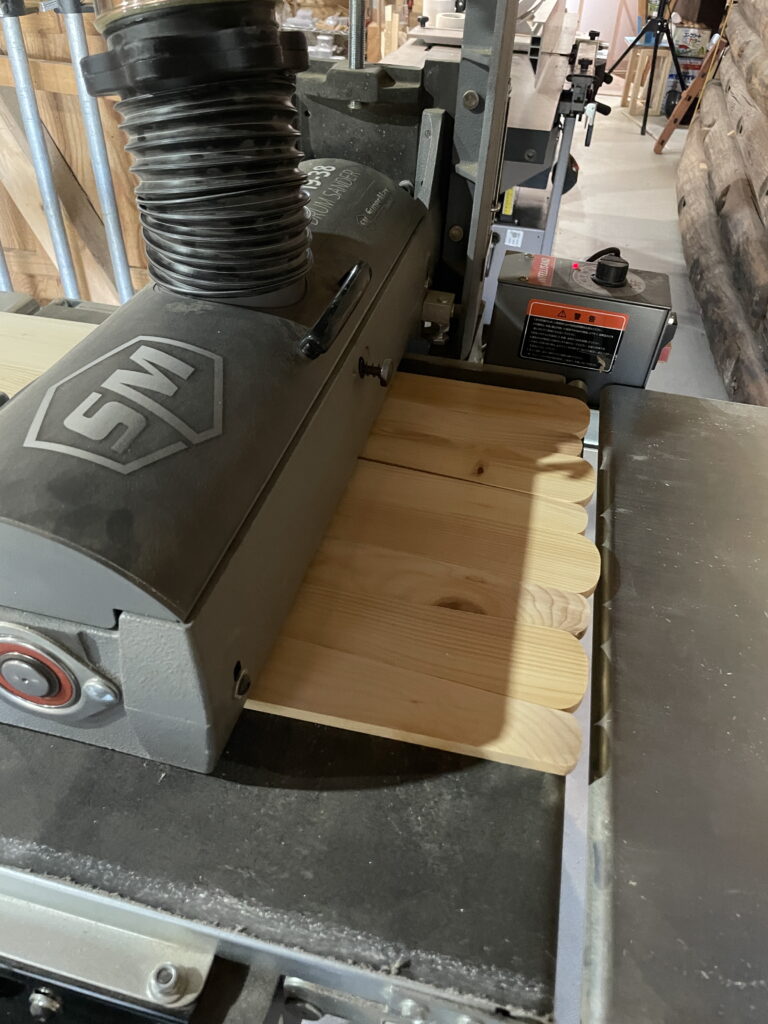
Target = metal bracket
(307,1001)
(99,958)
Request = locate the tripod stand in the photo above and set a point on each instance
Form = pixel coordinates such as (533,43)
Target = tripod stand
(659,25)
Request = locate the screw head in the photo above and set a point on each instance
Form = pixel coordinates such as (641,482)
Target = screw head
(44,1004)
(98,690)
(530,155)
(471,99)
(456,233)
(166,983)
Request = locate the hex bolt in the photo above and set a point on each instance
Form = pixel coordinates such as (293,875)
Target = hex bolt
(471,99)
(383,371)
(166,983)
(44,1004)
(456,233)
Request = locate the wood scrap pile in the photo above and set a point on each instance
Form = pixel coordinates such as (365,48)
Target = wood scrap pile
(723,206)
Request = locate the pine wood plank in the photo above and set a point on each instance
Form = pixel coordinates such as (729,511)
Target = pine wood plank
(532,663)
(510,429)
(317,684)
(474,505)
(566,561)
(562,477)
(29,345)
(553,413)
(413,579)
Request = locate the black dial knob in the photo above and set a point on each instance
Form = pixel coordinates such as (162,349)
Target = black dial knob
(422,20)
(611,271)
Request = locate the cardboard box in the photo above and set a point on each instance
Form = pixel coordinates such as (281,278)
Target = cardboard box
(691,42)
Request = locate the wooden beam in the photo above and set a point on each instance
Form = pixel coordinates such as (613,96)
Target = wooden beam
(29,345)
(18,176)
(47,75)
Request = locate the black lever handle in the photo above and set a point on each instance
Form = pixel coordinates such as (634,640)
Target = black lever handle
(351,287)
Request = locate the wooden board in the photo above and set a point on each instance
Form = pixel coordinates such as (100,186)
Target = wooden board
(30,344)
(414,579)
(517,440)
(438,610)
(367,696)
(502,656)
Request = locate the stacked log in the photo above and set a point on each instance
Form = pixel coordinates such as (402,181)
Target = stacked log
(723,206)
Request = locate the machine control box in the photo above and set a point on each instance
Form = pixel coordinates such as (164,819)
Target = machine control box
(556,316)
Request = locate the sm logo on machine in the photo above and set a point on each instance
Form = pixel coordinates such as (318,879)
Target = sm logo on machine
(138,403)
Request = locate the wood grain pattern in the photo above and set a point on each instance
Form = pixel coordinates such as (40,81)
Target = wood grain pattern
(562,477)
(490,428)
(532,663)
(29,345)
(397,489)
(54,78)
(18,176)
(317,684)
(550,559)
(553,413)
(413,579)
(47,75)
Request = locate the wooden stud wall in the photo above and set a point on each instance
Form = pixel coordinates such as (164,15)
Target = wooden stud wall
(23,231)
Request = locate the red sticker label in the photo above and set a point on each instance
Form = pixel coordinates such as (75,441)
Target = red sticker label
(579,315)
(572,335)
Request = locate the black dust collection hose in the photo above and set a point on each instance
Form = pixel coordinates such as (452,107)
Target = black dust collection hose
(207,103)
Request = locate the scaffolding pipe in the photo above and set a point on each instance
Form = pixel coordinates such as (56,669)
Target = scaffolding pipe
(33,128)
(97,148)
(5,274)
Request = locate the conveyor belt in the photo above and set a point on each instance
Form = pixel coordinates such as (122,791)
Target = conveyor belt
(387,855)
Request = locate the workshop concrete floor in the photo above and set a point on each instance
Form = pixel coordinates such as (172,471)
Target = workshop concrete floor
(626,197)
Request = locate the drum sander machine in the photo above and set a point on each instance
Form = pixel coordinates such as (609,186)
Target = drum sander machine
(167,482)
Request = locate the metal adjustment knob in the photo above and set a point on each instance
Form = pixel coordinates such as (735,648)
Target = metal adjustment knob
(611,271)
(381,371)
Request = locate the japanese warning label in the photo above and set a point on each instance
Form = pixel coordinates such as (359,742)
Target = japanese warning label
(572,335)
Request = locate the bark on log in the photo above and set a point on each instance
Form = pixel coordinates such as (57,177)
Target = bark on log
(751,126)
(742,230)
(735,346)
(755,12)
(751,55)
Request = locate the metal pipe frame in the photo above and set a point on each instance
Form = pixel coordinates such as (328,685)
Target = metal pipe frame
(5,274)
(33,128)
(97,149)
(558,184)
